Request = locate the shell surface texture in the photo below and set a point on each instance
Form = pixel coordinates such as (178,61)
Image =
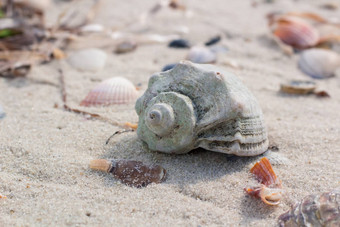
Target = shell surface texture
(194,106)
(319,63)
(131,173)
(314,210)
(116,90)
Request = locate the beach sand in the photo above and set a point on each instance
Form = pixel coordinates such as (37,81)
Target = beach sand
(45,151)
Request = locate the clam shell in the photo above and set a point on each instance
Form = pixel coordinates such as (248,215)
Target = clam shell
(201,55)
(319,63)
(88,59)
(296,32)
(314,210)
(116,90)
(2,112)
(298,87)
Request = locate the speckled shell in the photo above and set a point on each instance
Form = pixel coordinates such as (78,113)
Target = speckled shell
(314,210)
(195,106)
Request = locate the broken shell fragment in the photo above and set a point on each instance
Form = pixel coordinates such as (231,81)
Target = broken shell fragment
(298,87)
(295,32)
(116,90)
(88,60)
(131,173)
(125,46)
(270,190)
(92,28)
(195,105)
(314,210)
(319,63)
(201,55)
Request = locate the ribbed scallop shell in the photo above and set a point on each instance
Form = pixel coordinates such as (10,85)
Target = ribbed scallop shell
(116,90)
(296,32)
(319,63)
(314,210)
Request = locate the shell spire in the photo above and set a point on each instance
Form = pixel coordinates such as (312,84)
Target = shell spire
(129,172)
(270,190)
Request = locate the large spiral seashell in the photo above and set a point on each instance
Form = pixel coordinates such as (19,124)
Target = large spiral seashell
(314,210)
(319,63)
(193,106)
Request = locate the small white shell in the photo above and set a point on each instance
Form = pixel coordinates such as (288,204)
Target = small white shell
(201,55)
(319,63)
(88,59)
(92,28)
(116,90)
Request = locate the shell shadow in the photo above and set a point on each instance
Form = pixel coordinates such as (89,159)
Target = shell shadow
(197,166)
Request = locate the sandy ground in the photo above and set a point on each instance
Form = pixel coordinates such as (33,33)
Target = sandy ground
(45,151)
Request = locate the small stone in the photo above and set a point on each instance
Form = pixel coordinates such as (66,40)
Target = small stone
(125,46)
(179,43)
(213,41)
(88,59)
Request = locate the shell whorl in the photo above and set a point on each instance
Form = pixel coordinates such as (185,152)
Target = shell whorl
(160,119)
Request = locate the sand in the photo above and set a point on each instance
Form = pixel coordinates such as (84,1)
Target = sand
(45,151)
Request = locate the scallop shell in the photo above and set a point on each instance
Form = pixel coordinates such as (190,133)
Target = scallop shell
(116,90)
(298,87)
(314,210)
(201,55)
(270,190)
(195,106)
(319,63)
(296,32)
(131,173)
(88,60)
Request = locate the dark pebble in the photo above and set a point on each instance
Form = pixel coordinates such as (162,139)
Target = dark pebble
(213,41)
(179,43)
(168,67)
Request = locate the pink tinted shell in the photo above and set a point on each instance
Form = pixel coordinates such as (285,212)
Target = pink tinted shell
(116,90)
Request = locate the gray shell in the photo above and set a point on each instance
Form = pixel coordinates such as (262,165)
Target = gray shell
(195,106)
(314,210)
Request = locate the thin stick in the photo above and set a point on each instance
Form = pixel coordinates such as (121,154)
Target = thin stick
(116,133)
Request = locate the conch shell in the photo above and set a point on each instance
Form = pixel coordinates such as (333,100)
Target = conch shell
(195,106)
(270,190)
(129,172)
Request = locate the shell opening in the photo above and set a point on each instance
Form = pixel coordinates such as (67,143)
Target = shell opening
(160,119)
